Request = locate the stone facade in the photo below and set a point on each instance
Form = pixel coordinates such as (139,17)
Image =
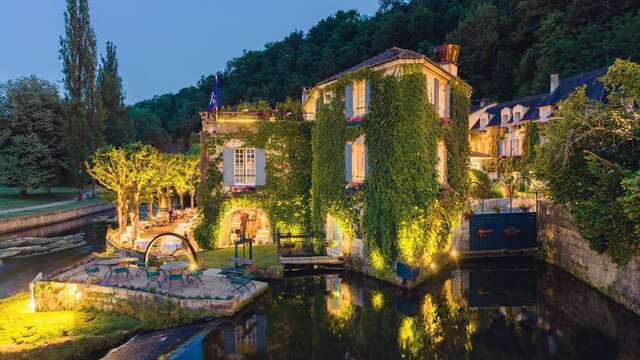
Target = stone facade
(565,248)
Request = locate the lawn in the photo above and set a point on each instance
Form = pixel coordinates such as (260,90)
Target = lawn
(57,334)
(10,196)
(264,256)
(75,205)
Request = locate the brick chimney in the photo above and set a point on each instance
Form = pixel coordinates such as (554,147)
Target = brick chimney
(554,82)
(447,57)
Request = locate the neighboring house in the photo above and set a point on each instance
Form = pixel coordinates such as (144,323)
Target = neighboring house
(389,62)
(510,116)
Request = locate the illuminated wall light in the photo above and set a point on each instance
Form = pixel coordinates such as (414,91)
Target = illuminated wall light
(78,295)
(32,305)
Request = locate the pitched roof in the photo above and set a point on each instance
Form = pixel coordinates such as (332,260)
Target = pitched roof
(394,53)
(594,88)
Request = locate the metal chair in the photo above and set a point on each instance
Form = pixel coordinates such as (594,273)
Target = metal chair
(153,276)
(175,275)
(92,273)
(123,268)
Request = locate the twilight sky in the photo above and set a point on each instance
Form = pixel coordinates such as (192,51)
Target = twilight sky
(163,45)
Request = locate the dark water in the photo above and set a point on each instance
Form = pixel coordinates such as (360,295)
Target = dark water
(16,274)
(490,311)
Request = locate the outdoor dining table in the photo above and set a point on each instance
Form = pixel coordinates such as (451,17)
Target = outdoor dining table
(174,265)
(112,262)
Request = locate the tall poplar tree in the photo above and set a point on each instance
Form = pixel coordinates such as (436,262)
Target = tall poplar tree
(110,96)
(78,55)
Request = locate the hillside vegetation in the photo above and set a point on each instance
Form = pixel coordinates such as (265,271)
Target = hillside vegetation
(509,48)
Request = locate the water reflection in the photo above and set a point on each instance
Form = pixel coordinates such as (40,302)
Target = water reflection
(531,312)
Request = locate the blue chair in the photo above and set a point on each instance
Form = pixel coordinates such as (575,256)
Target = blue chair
(123,268)
(153,276)
(195,277)
(92,272)
(142,267)
(175,275)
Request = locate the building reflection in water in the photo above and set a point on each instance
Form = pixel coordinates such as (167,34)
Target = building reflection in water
(247,337)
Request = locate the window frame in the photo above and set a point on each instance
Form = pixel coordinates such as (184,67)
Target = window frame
(358,163)
(244,161)
(359,97)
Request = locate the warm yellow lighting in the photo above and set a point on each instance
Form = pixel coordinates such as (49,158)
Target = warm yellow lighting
(377,261)
(433,267)
(78,295)
(377,300)
(454,253)
(32,305)
(193,267)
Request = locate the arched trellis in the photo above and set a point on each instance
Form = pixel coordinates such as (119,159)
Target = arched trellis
(194,254)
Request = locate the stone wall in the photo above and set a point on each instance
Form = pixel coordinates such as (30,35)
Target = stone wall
(55,296)
(563,247)
(32,221)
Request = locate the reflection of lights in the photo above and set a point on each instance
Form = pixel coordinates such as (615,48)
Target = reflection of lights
(32,305)
(377,300)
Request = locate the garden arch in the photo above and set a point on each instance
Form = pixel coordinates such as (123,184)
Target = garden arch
(184,240)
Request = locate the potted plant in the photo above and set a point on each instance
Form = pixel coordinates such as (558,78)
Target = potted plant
(511,231)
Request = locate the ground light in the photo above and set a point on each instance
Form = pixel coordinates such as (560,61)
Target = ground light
(454,253)
(433,266)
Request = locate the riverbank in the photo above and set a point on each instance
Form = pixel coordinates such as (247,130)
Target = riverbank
(21,221)
(71,334)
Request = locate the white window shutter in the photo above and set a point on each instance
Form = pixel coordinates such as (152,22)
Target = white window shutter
(261,162)
(347,162)
(227,166)
(367,92)
(348,101)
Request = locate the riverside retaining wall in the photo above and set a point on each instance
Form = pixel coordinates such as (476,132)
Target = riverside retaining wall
(32,221)
(564,247)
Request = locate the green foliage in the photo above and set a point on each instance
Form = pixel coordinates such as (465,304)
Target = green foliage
(31,151)
(118,129)
(588,163)
(481,185)
(79,58)
(401,136)
(456,137)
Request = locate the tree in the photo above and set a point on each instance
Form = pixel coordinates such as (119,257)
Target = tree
(180,178)
(118,128)
(589,161)
(31,154)
(78,55)
(140,161)
(192,172)
(111,168)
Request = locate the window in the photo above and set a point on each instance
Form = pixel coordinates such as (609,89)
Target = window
(515,147)
(501,149)
(327,97)
(357,163)
(244,166)
(359,89)
(505,118)
(516,116)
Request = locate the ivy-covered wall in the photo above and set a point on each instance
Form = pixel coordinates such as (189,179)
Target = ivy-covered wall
(285,197)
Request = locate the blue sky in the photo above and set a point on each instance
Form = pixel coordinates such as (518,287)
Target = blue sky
(163,45)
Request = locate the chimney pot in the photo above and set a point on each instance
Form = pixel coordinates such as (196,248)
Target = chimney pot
(447,56)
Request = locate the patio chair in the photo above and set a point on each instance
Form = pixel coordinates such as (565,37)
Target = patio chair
(153,276)
(194,278)
(123,268)
(142,267)
(175,275)
(244,281)
(92,272)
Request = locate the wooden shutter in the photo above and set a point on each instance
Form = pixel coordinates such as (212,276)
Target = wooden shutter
(367,92)
(348,101)
(347,162)
(227,166)
(261,161)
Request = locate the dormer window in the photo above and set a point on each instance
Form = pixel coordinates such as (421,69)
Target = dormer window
(328,96)
(359,89)
(505,118)
(516,116)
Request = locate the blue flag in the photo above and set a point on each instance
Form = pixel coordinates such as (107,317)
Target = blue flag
(213,103)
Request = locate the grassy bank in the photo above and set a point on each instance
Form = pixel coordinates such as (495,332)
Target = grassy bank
(25,334)
(52,209)
(264,256)
(10,197)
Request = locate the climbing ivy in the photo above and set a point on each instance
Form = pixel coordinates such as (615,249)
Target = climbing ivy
(529,142)
(456,137)
(285,197)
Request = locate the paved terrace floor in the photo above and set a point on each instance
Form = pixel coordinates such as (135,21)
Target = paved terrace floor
(215,286)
